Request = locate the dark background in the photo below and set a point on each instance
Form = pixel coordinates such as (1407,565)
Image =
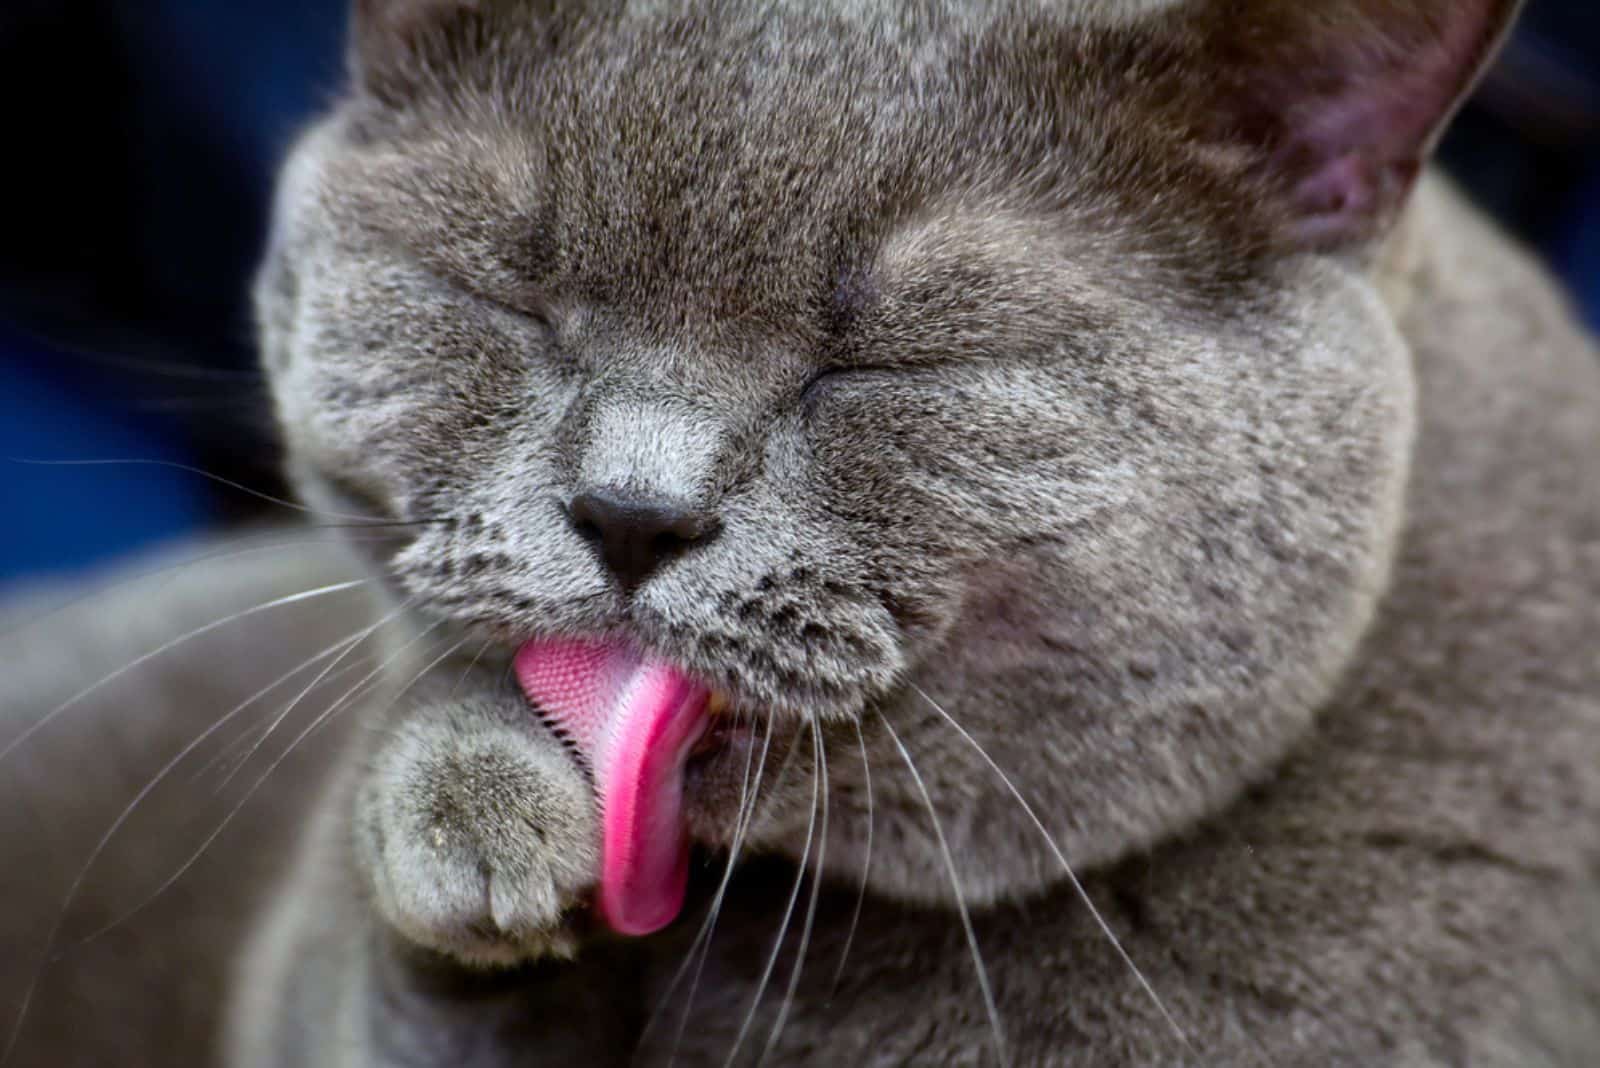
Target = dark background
(139,142)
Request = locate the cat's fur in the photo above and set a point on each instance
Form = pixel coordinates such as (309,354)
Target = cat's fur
(1088,372)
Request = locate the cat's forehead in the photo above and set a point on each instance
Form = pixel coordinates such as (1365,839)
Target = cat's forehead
(888,13)
(700,159)
(750,168)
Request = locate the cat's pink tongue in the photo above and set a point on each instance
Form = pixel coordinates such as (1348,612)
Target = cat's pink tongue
(635,720)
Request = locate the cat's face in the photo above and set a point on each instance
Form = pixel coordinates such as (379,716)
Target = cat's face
(999,382)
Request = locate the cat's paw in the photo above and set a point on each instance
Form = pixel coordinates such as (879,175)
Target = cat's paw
(478,832)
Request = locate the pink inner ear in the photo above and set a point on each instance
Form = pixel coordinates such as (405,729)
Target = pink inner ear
(1349,195)
(1354,152)
(1371,140)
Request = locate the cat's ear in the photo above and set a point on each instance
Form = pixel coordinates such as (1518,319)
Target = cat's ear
(1337,104)
(389,39)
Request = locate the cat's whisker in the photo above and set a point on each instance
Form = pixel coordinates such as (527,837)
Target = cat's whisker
(955,886)
(471,664)
(866,866)
(788,762)
(280,602)
(76,886)
(201,472)
(700,948)
(821,758)
(312,685)
(344,701)
(748,817)
(230,755)
(1072,876)
(714,910)
(124,581)
(123,359)
(788,915)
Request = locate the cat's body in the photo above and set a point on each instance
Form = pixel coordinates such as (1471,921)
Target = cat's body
(1252,533)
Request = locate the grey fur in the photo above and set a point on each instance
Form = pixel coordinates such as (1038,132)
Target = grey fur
(1035,382)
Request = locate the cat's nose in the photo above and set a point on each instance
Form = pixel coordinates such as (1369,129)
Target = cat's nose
(635,534)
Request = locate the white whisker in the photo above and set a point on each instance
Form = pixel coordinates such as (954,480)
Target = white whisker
(322,719)
(230,756)
(121,581)
(821,759)
(312,685)
(127,813)
(280,602)
(955,885)
(1072,876)
(788,762)
(700,948)
(866,866)
(461,681)
(199,472)
(783,929)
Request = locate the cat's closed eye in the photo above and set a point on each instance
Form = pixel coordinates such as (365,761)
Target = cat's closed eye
(830,380)
(522,305)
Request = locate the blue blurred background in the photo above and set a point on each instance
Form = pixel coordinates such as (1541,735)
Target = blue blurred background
(141,140)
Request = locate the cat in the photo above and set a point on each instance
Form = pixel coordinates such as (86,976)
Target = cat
(924,533)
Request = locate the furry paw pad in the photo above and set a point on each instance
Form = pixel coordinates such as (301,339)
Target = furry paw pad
(479,835)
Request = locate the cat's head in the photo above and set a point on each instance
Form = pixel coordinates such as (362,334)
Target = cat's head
(1022,358)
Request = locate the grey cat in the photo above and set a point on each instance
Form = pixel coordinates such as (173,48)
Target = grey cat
(1106,544)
